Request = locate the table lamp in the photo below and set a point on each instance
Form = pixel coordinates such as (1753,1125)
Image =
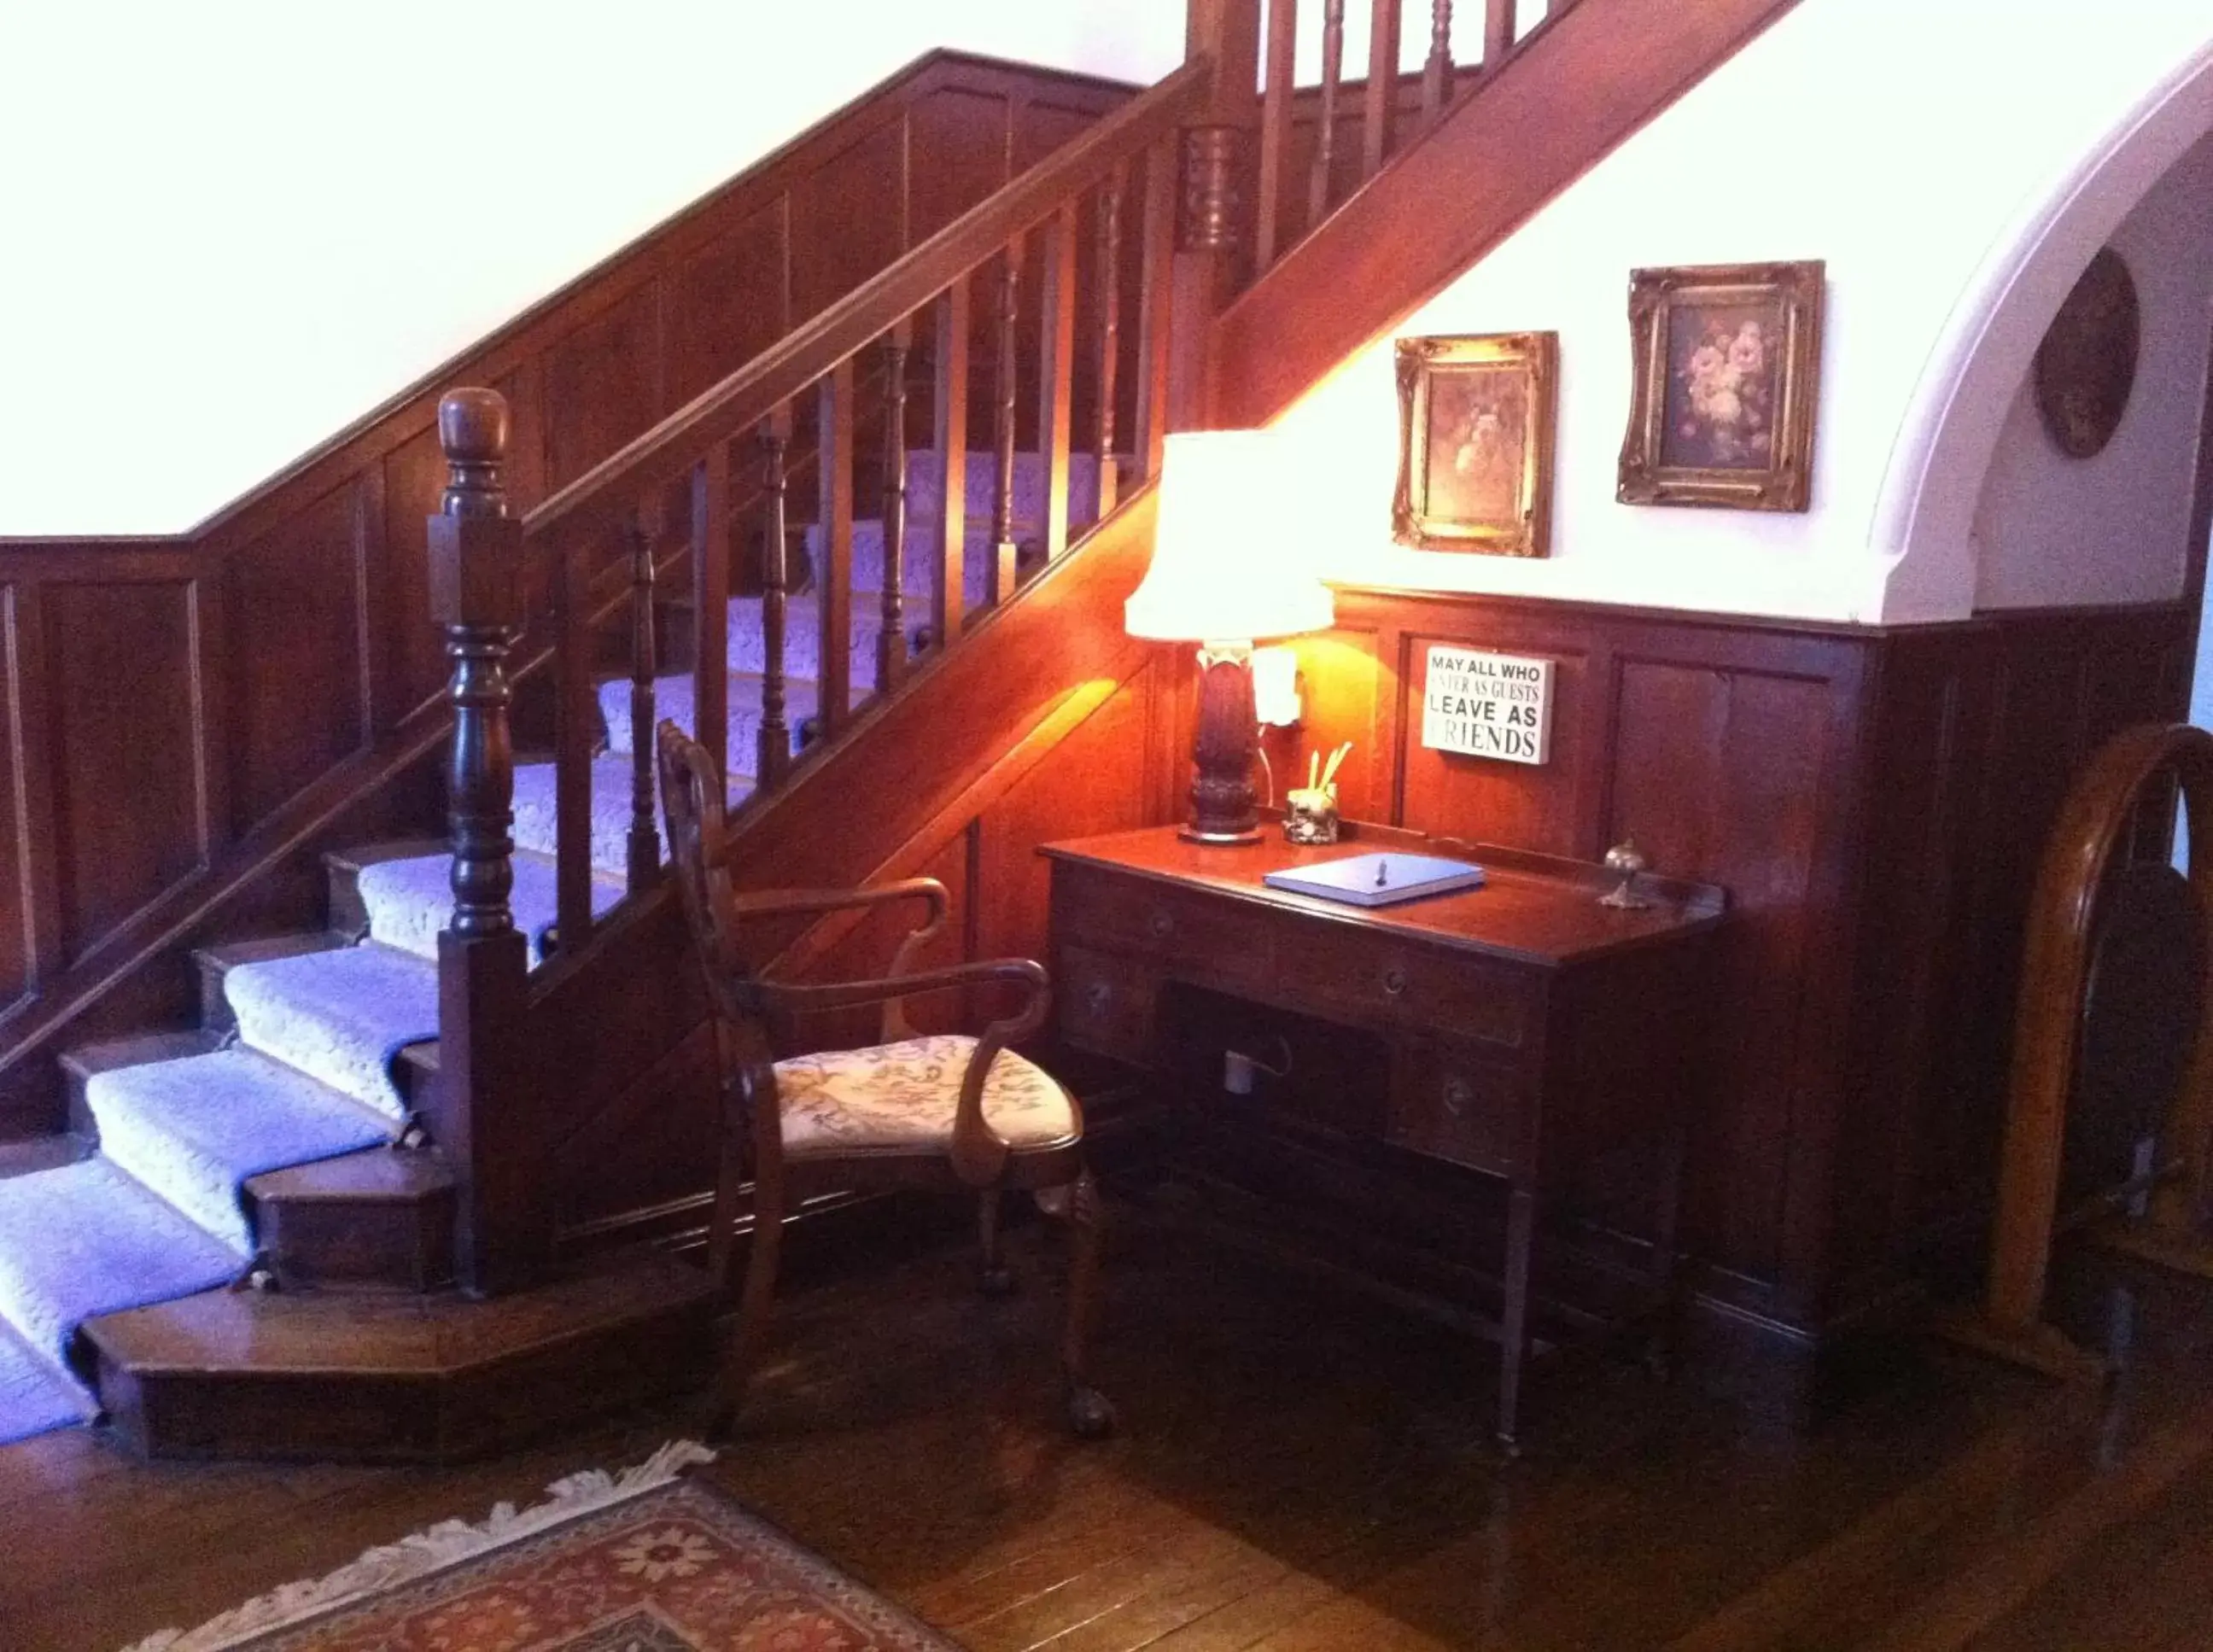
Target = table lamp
(1224,573)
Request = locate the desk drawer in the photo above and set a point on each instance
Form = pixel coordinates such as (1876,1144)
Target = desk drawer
(1218,934)
(1106,1004)
(1450,1103)
(1373,977)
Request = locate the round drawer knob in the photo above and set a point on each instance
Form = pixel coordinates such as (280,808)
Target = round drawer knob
(1097,997)
(1160,925)
(1395,981)
(1458,1094)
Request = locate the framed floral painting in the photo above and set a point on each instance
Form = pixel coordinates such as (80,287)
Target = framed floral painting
(1476,418)
(1727,361)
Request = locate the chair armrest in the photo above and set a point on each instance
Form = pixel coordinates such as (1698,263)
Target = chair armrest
(770,903)
(979,1154)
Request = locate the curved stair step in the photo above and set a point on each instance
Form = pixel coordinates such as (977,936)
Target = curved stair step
(86,1239)
(35,1394)
(341,1016)
(409,900)
(193,1130)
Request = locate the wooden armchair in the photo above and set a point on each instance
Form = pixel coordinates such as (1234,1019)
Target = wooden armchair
(951,1111)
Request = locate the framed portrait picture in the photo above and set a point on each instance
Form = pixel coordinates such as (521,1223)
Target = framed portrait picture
(1476,418)
(1727,360)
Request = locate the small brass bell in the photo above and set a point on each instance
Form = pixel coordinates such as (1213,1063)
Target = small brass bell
(1624,858)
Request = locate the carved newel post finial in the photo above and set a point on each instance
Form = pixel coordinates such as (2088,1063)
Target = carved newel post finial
(476,554)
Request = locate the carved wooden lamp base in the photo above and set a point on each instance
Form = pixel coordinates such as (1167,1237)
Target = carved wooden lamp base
(1223,809)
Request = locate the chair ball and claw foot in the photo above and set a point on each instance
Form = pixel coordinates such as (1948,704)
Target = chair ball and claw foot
(964,1114)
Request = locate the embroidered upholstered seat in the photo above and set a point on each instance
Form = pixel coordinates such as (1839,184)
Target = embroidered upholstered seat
(910,1111)
(903,1096)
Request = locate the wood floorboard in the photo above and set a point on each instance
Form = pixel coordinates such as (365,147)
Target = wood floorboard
(1300,1470)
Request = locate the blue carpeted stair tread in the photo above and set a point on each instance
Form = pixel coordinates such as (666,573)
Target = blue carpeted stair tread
(339,1016)
(409,899)
(534,809)
(673,699)
(35,1394)
(193,1130)
(87,1240)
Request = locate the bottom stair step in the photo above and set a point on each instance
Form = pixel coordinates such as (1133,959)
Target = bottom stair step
(86,1239)
(377,1217)
(35,1394)
(193,1131)
(400,1378)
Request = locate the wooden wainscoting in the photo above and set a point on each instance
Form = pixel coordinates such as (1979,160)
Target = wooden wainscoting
(1874,799)
(183,714)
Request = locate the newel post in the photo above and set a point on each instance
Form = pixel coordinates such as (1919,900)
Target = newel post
(478,1112)
(1213,220)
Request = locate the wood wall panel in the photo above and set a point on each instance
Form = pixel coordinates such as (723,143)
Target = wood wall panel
(414,652)
(969,130)
(16,935)
(603,386)
(726,304)
(129,765)
(298,672)
(1484,801)
(850,193)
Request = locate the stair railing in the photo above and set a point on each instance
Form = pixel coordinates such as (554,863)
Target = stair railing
(1306,163)
(484,562)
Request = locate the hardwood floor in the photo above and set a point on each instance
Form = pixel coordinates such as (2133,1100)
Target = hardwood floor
(1299,1470)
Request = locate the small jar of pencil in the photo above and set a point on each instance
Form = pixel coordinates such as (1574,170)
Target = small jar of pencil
(1310,811)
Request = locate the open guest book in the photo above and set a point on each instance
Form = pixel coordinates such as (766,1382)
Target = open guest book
(1377,880)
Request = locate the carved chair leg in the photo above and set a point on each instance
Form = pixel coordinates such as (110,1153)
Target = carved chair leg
(993,1277)
(1090,1415)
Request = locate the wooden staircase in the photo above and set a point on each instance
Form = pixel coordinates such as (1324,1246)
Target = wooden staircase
(439,1298)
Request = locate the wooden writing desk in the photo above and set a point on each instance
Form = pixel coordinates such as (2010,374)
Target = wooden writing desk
(1528,1031)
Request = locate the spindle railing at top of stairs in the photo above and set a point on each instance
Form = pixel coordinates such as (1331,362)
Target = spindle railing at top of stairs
(1175,161)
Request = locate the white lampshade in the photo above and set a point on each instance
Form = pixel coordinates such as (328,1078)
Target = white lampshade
(1225,564)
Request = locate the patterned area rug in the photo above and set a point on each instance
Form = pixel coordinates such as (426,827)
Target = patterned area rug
(644,1561)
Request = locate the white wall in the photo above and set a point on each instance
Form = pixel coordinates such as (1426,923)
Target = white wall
(1902,141)
(2050,530)
(230,228)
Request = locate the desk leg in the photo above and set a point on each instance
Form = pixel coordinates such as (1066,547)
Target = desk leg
(1666,1225)
(1514,1329)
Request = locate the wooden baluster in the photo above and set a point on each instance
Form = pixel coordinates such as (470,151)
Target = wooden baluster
(1276,99)
(1498,31)
(1110,331)
(710,605)
(834,578)
(891,641)
(1381,114)
(1437,68)
(644,846)
(948,590)
(1332,76)
(1004,572)
(477,1106)
(1156,304)
(774,756)
(1056,374)
(576,729)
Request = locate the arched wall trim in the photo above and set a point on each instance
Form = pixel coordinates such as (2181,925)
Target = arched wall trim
(1925,512)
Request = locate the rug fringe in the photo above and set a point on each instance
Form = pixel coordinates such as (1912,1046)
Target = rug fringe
(430,1549)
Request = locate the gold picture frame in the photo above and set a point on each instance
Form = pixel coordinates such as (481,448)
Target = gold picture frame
(1477,417)
(1727,360)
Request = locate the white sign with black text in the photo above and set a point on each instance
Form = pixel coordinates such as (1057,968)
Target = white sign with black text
(1488,705)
